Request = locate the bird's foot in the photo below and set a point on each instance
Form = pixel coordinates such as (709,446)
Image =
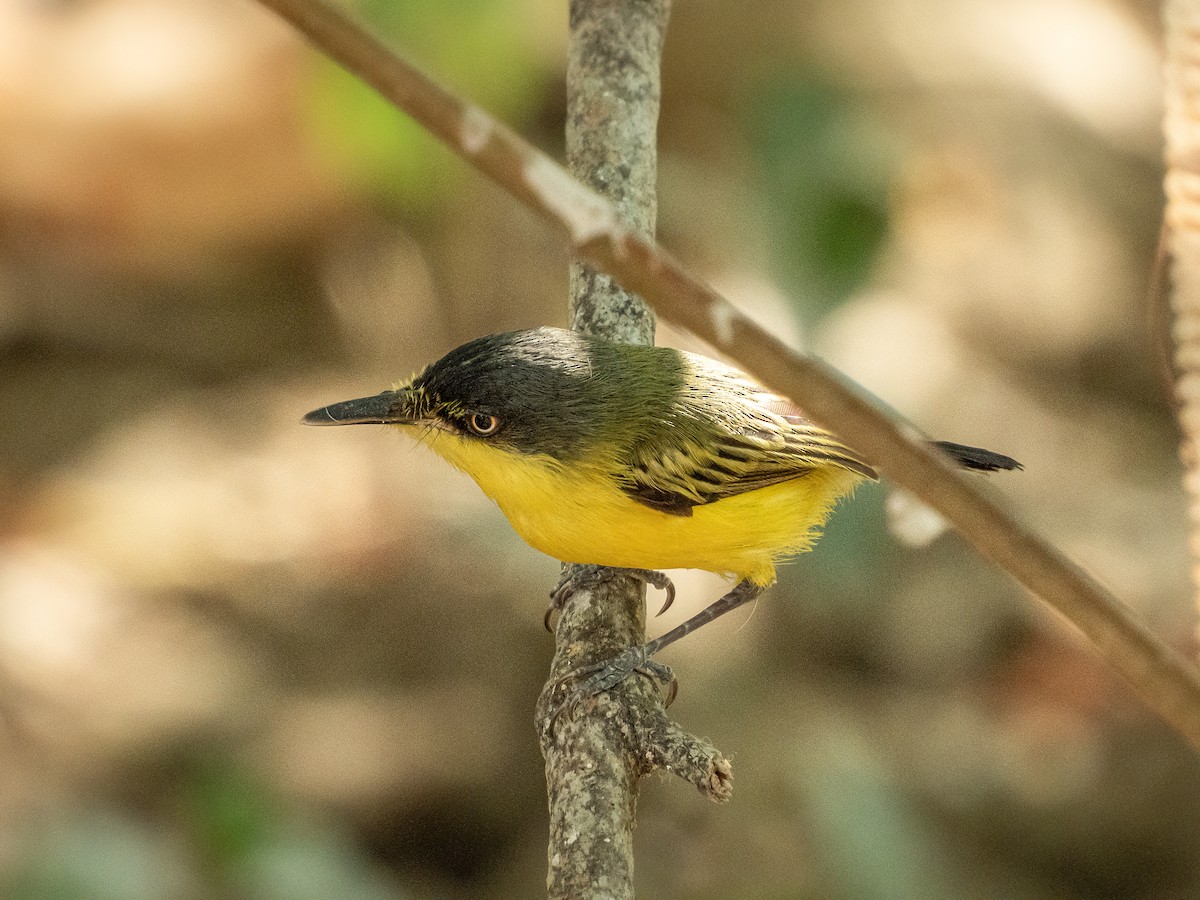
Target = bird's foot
(604,676)
(576,577)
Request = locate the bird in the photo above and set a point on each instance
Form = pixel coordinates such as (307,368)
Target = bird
(631,457)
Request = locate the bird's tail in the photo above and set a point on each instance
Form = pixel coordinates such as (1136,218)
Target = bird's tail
(977,458)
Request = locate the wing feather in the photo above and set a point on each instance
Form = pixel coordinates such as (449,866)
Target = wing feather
(727,448)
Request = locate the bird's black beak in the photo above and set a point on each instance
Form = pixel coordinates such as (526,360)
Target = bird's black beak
(388,408)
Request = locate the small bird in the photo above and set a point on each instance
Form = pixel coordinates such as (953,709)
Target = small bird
(632,457)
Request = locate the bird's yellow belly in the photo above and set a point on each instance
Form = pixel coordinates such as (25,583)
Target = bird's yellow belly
(580,516)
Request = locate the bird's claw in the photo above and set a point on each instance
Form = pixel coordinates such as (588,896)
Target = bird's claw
(576,577)
(607,675)
(604,676)
(662,582)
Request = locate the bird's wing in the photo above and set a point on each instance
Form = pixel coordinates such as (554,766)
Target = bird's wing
(766,442)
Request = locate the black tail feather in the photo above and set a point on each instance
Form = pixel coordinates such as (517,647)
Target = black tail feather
(977,458)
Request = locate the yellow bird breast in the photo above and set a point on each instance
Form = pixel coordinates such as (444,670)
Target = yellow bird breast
(577,514)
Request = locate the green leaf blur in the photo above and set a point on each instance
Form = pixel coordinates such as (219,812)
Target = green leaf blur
(483,52)
(824,170)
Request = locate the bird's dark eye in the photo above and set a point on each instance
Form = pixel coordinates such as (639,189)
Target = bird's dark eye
(483,424)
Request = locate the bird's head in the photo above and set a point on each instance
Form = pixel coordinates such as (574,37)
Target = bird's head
(541,391)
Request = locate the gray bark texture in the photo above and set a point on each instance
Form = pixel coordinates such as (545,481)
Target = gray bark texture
(613,90)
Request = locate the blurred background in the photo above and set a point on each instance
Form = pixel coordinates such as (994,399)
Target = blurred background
(244,659)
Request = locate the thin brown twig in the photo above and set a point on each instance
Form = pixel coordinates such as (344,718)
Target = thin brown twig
(1159,319)
(1180,247)
(1159,674)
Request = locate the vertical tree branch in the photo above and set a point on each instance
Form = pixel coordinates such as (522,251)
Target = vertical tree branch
(613,90)
(595,760)
(1182,127)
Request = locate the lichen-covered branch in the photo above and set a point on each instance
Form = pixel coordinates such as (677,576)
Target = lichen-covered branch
(613,74)
(1182,128)
(1160,675)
